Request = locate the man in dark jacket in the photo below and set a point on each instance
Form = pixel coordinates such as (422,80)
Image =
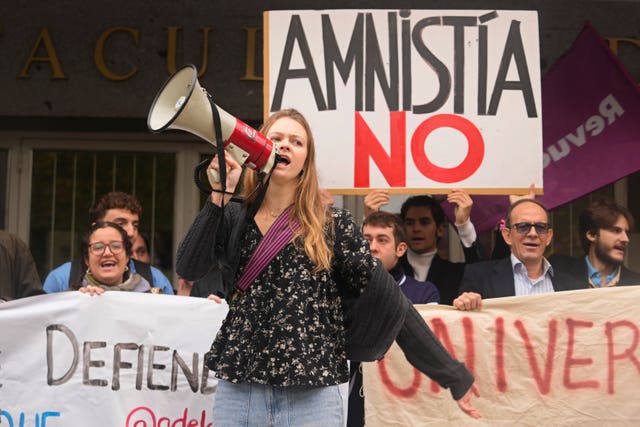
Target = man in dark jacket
(424,223)
(18,274)
(526,271)
(385,234)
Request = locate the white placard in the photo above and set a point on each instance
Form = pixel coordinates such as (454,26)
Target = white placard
(118,359)
(412,100)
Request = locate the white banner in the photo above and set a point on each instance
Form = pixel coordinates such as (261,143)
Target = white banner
(412,99)
(136,360)
(118,359)
(563,359)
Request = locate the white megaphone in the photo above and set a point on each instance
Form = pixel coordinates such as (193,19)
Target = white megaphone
(183,104)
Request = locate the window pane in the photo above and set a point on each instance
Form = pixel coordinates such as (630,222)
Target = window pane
(67,183)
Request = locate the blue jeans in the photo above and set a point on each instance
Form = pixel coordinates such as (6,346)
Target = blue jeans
(264,405)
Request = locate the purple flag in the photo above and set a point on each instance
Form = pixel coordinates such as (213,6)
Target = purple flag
(591,128)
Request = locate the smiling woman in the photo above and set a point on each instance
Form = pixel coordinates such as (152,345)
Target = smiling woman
(106,250)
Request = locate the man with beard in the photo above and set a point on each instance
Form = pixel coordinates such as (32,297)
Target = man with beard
(604,234)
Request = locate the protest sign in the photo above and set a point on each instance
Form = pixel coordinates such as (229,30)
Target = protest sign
(591,123)
(118,359)
(412,100)
(561,359)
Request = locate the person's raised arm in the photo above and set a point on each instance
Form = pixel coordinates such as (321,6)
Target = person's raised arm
(233,173)
(466,230)
(194,255)
(374,200)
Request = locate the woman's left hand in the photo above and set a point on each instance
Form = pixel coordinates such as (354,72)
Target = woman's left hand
(92,290)
(465,402)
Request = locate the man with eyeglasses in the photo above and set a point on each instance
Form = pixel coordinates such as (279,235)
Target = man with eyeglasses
(526,271)
(604,234)
(123,209)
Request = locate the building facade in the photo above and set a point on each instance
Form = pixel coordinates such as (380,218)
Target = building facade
(78,79)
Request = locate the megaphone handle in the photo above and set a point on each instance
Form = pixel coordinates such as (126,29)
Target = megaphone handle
(222,167)
(213,176)
(203,187)
(196,176)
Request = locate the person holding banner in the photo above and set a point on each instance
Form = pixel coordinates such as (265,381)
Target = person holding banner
(125,210)
(604,235)
(304,293)
(106,250)
(526,271)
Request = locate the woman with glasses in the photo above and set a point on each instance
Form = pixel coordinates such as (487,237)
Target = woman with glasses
(106,250)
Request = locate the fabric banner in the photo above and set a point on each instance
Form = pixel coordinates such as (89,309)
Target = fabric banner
(118,359)
(563,359)
(591,121)
(591,128)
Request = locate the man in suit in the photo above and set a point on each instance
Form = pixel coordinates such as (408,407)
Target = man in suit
(425,223)
(604,235)
(526,271)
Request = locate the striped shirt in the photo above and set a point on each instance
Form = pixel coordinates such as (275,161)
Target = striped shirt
(524,285)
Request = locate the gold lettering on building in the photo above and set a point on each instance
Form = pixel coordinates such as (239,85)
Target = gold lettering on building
(172,49)
(250,55)
(44,41)
(99,59)
(615,42)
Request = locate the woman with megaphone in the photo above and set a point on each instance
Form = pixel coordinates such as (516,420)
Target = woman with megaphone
(304,293)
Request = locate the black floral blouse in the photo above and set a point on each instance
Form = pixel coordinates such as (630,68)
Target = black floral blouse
(287,329)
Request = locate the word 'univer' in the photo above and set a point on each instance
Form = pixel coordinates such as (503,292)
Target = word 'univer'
(577,363)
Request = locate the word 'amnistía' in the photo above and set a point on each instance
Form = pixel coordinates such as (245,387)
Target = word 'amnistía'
(126,357)
(390,70)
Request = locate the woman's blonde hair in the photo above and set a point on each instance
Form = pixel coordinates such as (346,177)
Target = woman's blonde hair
(308,207)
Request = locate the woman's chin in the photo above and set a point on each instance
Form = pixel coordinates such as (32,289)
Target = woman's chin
(109,279)
(284,175)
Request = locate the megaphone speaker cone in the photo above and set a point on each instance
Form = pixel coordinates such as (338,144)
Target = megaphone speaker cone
(172,98)
(182,104)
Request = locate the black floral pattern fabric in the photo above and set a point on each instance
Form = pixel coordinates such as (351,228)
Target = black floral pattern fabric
(288,328)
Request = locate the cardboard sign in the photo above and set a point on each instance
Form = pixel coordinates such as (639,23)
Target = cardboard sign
(412,100)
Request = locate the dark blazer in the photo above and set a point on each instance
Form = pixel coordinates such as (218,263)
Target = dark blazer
(446,275)
(494,279)
(577,269)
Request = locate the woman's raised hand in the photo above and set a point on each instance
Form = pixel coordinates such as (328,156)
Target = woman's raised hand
(233,172)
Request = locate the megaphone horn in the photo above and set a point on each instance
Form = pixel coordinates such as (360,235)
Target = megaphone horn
(183,104)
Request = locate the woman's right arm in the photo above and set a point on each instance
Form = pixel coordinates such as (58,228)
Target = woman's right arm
(194,257)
